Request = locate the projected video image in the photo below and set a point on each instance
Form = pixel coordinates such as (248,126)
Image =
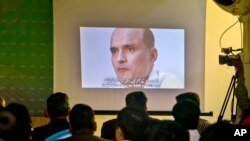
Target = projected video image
(150,58)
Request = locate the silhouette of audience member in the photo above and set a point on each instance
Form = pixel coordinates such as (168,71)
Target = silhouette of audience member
(226,130)
(17,119)
(2,102)
(187,113)
(215,131)
(132,125)
(83,125)
(7,121)
(203,124)
(134,100)
(58,127)
(137,100)
(168,130)
(108,129)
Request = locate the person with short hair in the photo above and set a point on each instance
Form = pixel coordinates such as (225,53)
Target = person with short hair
(220,130)
(134,100)
(187,113)
(203,124)
(133,54)
(18,123)
(132,124)
(168,130)
(83,124)
(58,127)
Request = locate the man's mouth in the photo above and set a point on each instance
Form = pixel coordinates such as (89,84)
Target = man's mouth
(122,70)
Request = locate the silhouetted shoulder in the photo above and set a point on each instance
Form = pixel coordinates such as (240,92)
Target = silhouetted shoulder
(108,129)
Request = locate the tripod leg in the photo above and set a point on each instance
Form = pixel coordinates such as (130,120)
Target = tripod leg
(229,91)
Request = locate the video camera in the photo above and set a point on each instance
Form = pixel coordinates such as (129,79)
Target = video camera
(229,57)
(240,8)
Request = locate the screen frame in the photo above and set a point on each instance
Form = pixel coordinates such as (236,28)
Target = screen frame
(96,56)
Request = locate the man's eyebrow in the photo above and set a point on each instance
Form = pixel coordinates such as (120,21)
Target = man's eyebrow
(112,47)
(129,45)
(125,46)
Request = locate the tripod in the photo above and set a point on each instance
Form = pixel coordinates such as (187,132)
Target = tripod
(229,91)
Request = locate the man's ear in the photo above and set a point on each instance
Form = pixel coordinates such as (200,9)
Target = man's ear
(45,112)
(153,54)
(146,108)
(94,126)
(119,136)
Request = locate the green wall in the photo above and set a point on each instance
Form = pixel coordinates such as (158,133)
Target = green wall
(26,52)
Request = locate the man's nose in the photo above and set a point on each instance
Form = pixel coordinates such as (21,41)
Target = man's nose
(121,57)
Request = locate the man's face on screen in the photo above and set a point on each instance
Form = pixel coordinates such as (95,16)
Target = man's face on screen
(132,59)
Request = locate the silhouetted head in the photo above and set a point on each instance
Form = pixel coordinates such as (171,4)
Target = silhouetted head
(189,95)
(137,100)
(168,130)
(58,105)
(187,113)
(133,124)
(82,116)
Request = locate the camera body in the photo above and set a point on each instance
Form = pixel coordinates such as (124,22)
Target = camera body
(227,59)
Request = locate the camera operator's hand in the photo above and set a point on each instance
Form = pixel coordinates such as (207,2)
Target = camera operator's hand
(237,63)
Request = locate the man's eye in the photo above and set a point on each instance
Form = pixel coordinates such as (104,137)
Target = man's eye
(130,49)
(113,51)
